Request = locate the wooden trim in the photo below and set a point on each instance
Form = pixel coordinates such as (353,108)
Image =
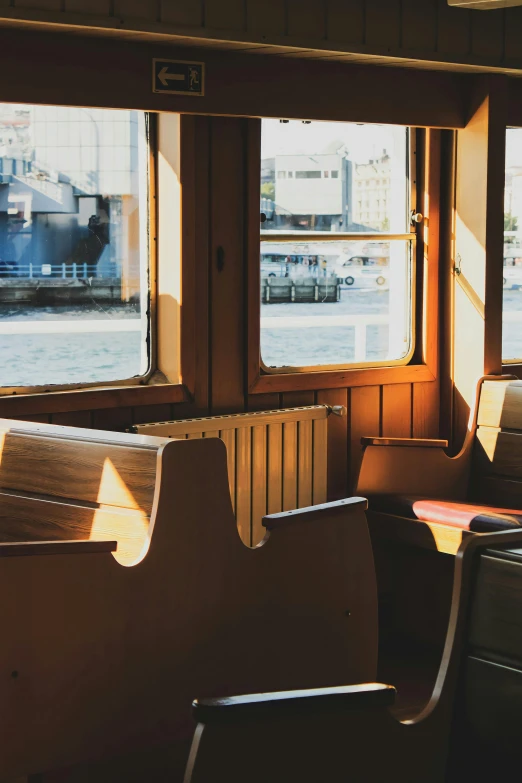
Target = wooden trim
(425,363)
(428,443)
(340,379)
(253,309)
(313,513)
(28,548)
(237,84)
(92,399)
(515,369)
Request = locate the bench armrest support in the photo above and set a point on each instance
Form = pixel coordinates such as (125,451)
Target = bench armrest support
(32,548)
(314,513)
(425,443)
(312,701)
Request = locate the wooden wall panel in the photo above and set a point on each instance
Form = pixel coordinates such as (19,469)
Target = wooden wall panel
(365,420)
(227,265)
(425,423)
(427,27)
(419,25)
(266,17)
(383,23)
(306,19)
(142,9)
(454,29)
(338,438)
(95,7)
(397,410)
(345,21)
(487,35)
(513,33)
(182,12)
(40,5)
(225,14)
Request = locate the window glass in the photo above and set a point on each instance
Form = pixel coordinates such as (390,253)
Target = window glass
(512,272)
(327,301)
(73,245)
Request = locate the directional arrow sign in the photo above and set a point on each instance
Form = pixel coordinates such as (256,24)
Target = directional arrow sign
(178,77)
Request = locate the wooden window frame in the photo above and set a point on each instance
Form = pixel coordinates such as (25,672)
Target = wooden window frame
(424,364)
(149,390)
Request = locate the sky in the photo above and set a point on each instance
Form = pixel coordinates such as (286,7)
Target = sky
(364,142)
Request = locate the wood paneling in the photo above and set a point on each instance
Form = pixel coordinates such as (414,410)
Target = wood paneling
(487,35)
(345,21)
(365,415)
(143,9)
(227,265)
(396,410)
(338,438)
(182,12)
(306,19)
(419,25)
(383,23)
(428,28)
(454,29)
(266,17)
(229,15)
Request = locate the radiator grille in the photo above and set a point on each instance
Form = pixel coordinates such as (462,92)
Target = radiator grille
(277,460)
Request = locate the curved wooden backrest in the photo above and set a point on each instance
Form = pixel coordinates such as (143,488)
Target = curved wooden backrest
(63,483)
(100,659)
(498,449)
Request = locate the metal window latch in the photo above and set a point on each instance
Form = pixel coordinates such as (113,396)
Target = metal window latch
(416,217)
(457,268)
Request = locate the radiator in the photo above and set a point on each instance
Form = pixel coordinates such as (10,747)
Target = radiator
(277,460)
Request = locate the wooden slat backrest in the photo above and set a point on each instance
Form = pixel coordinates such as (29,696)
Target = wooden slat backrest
(108,659)
(92,469)
(63,483)
(497,471)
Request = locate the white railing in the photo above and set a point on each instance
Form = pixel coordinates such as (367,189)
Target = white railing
(359,322)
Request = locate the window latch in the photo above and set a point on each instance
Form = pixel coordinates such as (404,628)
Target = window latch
(416,218)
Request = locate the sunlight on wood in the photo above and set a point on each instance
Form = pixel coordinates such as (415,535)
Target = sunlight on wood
(113,489)
(2,442)
(110,524)
(130,529)
(488,440)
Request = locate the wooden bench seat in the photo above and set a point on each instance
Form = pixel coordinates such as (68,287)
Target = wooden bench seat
(100,662)
(417,493)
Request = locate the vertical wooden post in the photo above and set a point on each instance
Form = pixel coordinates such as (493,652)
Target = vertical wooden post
(478,252)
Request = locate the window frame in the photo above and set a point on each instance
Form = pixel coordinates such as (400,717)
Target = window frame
(151,179)
(422,365)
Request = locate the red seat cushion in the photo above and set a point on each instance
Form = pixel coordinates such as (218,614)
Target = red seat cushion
(476,517)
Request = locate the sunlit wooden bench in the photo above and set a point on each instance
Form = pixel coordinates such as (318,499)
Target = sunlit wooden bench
(419,494)
(101,659)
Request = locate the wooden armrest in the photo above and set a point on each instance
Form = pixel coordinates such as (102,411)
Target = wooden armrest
(425,443)
(28,548)
(269,705)
(313,513)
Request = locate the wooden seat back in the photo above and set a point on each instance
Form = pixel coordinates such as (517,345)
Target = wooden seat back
(65,483)
(101,660)
(496,475)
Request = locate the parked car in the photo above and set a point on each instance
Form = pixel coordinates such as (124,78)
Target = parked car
(361,272)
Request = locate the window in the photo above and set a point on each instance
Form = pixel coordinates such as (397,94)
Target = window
(281,174)
(338,291)
(74,302)
(326,174)
(308,174)
(512,277)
